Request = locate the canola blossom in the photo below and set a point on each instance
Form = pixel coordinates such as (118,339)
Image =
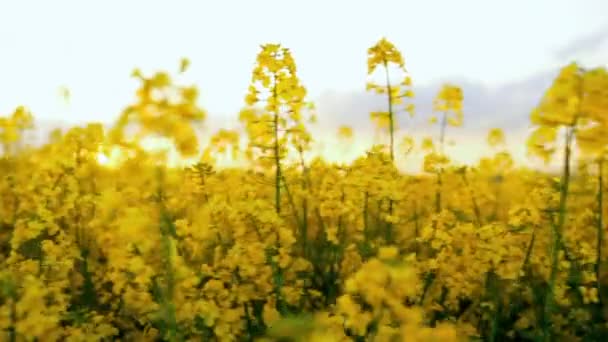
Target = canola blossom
(290,247)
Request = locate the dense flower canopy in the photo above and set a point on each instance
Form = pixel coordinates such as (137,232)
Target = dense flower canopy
(289,246)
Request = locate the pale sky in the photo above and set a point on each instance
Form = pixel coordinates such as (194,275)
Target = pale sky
(92,46)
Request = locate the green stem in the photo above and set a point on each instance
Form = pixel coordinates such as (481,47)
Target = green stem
(306,186)
(494,291)
(292,203)
(391,119)
(444,122)
(277,157)
(526,262)
(167,231)
(476,209)
(366,231)
(416,230)
(556,232)
(600,225)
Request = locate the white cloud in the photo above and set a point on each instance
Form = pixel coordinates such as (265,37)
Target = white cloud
(91,47)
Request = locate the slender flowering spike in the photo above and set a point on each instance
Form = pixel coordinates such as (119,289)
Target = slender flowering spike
(449,102)
(382,53)
(386,56)
(577,101)
(575,104)
(560,104)
(276,112)
(592,134)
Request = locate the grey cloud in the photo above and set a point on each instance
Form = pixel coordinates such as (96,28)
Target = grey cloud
(506,106)
(585,44)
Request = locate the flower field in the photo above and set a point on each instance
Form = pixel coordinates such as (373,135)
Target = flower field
(103,240)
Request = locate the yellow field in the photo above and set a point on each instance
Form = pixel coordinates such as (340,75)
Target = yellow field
(104,239)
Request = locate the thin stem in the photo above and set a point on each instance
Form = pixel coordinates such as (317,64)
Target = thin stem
(167,231)
(390,111)
(444,122)
(600,223)
(438,192)
(306,186)
(366,231)
(492,284)
(416,230)
(476,209)
(291,202)
(556,232)
(277,157)
(526,262)
(389,228)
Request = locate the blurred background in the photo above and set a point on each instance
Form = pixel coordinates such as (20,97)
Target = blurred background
(503,55)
